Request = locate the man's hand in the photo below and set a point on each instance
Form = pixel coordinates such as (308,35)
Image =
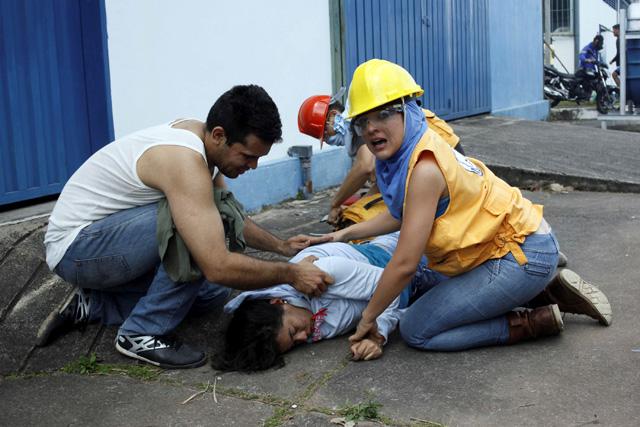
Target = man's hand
(297,243)
(334,215)
(366,349)
(309,279)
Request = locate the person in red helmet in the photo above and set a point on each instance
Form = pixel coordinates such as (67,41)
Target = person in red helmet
(321,116)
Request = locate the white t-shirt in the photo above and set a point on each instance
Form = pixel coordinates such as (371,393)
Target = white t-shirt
(108,183)
(339,309)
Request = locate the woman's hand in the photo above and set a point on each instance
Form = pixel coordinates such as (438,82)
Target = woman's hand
(364,328)
(366,349)
(337,236)
(297,243)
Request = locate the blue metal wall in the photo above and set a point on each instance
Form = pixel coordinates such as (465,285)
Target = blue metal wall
(516,72)
(444,44)
(54,93)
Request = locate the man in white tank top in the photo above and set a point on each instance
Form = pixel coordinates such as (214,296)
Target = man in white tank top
(102,232)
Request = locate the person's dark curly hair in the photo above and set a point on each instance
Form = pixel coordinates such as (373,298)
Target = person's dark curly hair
(250,339)
(245,110)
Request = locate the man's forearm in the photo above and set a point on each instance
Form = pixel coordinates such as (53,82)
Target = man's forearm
(353,182)
(246,273)
(259,238)
(356,177)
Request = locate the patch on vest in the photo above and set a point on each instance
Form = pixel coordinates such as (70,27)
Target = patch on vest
(465,163)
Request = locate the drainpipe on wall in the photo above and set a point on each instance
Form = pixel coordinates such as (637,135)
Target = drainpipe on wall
(304,153)
(547,34)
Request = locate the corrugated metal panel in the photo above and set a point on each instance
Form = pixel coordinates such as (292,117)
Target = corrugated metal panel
(45,131)
(443,44)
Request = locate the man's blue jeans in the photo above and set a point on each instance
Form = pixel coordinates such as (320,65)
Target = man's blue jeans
(117,258)
(469,310)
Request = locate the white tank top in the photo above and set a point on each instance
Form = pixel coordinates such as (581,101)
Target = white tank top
(108,183)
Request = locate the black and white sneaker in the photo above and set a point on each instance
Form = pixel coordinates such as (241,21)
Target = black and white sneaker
(163,351)
(72,313)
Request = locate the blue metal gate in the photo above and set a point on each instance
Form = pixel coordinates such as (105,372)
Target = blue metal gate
(444,44)
(54,94)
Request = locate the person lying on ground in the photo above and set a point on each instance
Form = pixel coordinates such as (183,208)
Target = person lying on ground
(269,322)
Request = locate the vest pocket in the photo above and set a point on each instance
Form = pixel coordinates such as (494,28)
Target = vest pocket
(499,197)
(443,129)
(102,272)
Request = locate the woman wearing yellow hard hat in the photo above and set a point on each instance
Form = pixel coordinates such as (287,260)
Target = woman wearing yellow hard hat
(493,244)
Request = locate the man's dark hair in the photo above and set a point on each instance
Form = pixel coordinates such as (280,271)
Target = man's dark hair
(336,105)
(245,110)
(616,27)
(598,38)
(250,339)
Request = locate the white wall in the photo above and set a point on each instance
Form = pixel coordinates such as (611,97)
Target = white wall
(592,14)
(171,59)
(565,53)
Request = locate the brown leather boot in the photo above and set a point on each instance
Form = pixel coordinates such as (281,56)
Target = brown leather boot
(539,322)
(574,295)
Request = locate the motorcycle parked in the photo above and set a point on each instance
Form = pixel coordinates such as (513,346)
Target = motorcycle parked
(578,87)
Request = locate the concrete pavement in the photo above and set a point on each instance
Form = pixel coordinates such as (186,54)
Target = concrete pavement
(589,374)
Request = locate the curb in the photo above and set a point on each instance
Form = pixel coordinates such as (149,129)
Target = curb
(525,178)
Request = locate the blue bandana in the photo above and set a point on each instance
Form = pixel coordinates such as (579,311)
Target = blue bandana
(392,172)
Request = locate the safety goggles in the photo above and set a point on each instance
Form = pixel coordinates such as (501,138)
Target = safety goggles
(377,118)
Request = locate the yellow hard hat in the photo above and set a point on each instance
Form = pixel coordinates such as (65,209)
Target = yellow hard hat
(378,82)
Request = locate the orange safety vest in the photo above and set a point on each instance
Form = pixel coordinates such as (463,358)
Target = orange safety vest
(486,217)
(441,127)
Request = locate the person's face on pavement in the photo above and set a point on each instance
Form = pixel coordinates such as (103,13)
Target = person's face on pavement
(238,158)
(296,328)
(383,136)
(616,32)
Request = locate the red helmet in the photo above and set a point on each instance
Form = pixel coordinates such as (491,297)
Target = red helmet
(312,116)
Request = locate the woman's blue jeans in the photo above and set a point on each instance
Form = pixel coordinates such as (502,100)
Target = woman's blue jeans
(117,258)
(468,310)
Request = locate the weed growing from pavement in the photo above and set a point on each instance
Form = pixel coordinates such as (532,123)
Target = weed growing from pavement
(26,375)
(423,423)
(362,411)
(321,411)
(91,366)
(281,415)
(84,365)
(251,396)
(327,376)
(265,209)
